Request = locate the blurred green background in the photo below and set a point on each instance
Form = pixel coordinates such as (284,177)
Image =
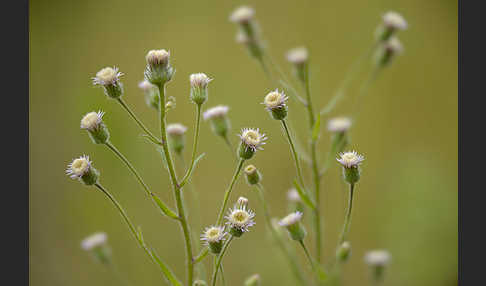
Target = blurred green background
(406,200)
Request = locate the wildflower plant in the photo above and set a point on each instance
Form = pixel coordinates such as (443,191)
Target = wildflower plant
(304,196)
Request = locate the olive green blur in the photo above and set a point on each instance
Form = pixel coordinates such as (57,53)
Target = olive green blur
(405,201)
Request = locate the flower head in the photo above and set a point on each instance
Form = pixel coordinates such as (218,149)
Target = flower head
(292,223)
(146,86)
(78,167)
(350,159)
(176,129)
(291,219)
(94,240)
(242,15)
(213,234)
(240,219)
(242,202)
(275,100)
(339,124)
(107,76)
(252,138)
(92,120)
(158,57)
(199,80)
(252,175)
(293,196)
(298,55)
(217,111)
(377,257)
(158,70)
(394,20)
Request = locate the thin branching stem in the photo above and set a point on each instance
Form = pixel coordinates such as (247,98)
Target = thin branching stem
(219,258)
(228,192)
(194,149)
(347,218)
(294,153)
(138,121)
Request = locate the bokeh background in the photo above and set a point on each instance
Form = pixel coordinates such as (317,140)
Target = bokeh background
(406,200)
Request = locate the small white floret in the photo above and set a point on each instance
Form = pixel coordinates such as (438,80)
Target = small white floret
(94,240)
(242,15)
(350,159)
(92,120)
(78,167)
(291,219)
(339,124)
(394,20)
(377,257)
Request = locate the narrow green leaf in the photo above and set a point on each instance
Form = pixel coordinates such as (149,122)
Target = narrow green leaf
(165,210)
(187,178)
(316,129)
(165,269)
(303,195)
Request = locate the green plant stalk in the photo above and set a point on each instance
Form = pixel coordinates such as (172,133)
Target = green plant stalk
(138,121)
(194,149)
(363,90)
(290,258)
(294,153)
(218,261)
(176,187)
(347,219)
(228,192)
(165,208)
(165,270)
(314,265)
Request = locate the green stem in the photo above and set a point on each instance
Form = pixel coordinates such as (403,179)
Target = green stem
(228,192)
(219,259)
(165,270)
(363,90)
(310,108)
(294,153)
(347,219)
(138,121)
(121,279)
(176,187)
(194,149)
(228,143)
(315,266)
(292,260)
(201,255)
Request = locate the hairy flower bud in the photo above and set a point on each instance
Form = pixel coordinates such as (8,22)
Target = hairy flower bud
(350,162)
(299,58)
(213,237)
(251,141)
(295,228)
(158,70)
(82,169)
(97,245)
(275,103)
(252,175)
(218,119)
(109,79)
(176,136)
(199,87)
(97,130)
(151,94)
(378,260)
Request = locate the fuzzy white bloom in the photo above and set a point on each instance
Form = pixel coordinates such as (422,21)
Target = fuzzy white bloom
(252,138)
(275,99)
(394,20)
(157,57)
(213,234)
(107,76)
(94,240)
(291,219)
(293,195)
(298,55)
(217,111)
(92,120)
(350,159)
(377,257)
(242,201)
(240,218)
(242,15)
(199,80)
(145,85)
(176,129)
(339,124)
(78,167)
(394,45)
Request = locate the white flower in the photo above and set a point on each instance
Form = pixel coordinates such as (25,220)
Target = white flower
(92,120)
(293,195)
(78,167)
(94,240)
(291,219)
(176,129)
(242,201)
(339,124)
(350,159)
(394,20)
(107,76)
(199,80)
(242,15)
(275,99)
(252,138)
(240,218)
(157,57)
(298,55)
(217,111)
(213,234)
(377,257)
(145,86)
(394,45)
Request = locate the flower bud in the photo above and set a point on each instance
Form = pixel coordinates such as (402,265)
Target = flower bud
(295,228)
(240,219)
(252,175)
(199,87)
(248,30)
(93,123)
(343,252)
(299,58)
(350,162)
(97,245)
(387,51)
(109,79)
(213,237)
(242,202)
(251,141)
(82,169)
(275,103)
(253,280)
(295,202)
(339,127)
(378,260)
(219,121)
(392,22)
(151,94)
(176,136)
(158,70)
(254,47)
(199,282)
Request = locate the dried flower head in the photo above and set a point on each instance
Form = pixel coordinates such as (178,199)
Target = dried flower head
(377,257)
(293,196)
(158,57)
(217,111)
(94,240)
(176,129)
(394,20)
(339,124)
(298,55)
(78,167)
(242,15)
(240,219)
(275,100)
(92,120)
(252,139)
(107,76)
(291,219)
(350,159)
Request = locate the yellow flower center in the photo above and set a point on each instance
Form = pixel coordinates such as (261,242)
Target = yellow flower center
(273,99)
(90,120)
(349,157)
(212,233)
(250,169)
(79,166)
(252,137)
(106,75)
(240,216)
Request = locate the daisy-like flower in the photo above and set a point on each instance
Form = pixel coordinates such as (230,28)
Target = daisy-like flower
(214,112)
(394,20)
(292,223)
(242,15)
(240,219)
(107,76)
(252,138)
(339,124)
(298,55)
(393,45)
(275,103)
(92,120)
(377,257)
(213,236)
(94,240)
(291,219)
(82,169)
(350,159)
